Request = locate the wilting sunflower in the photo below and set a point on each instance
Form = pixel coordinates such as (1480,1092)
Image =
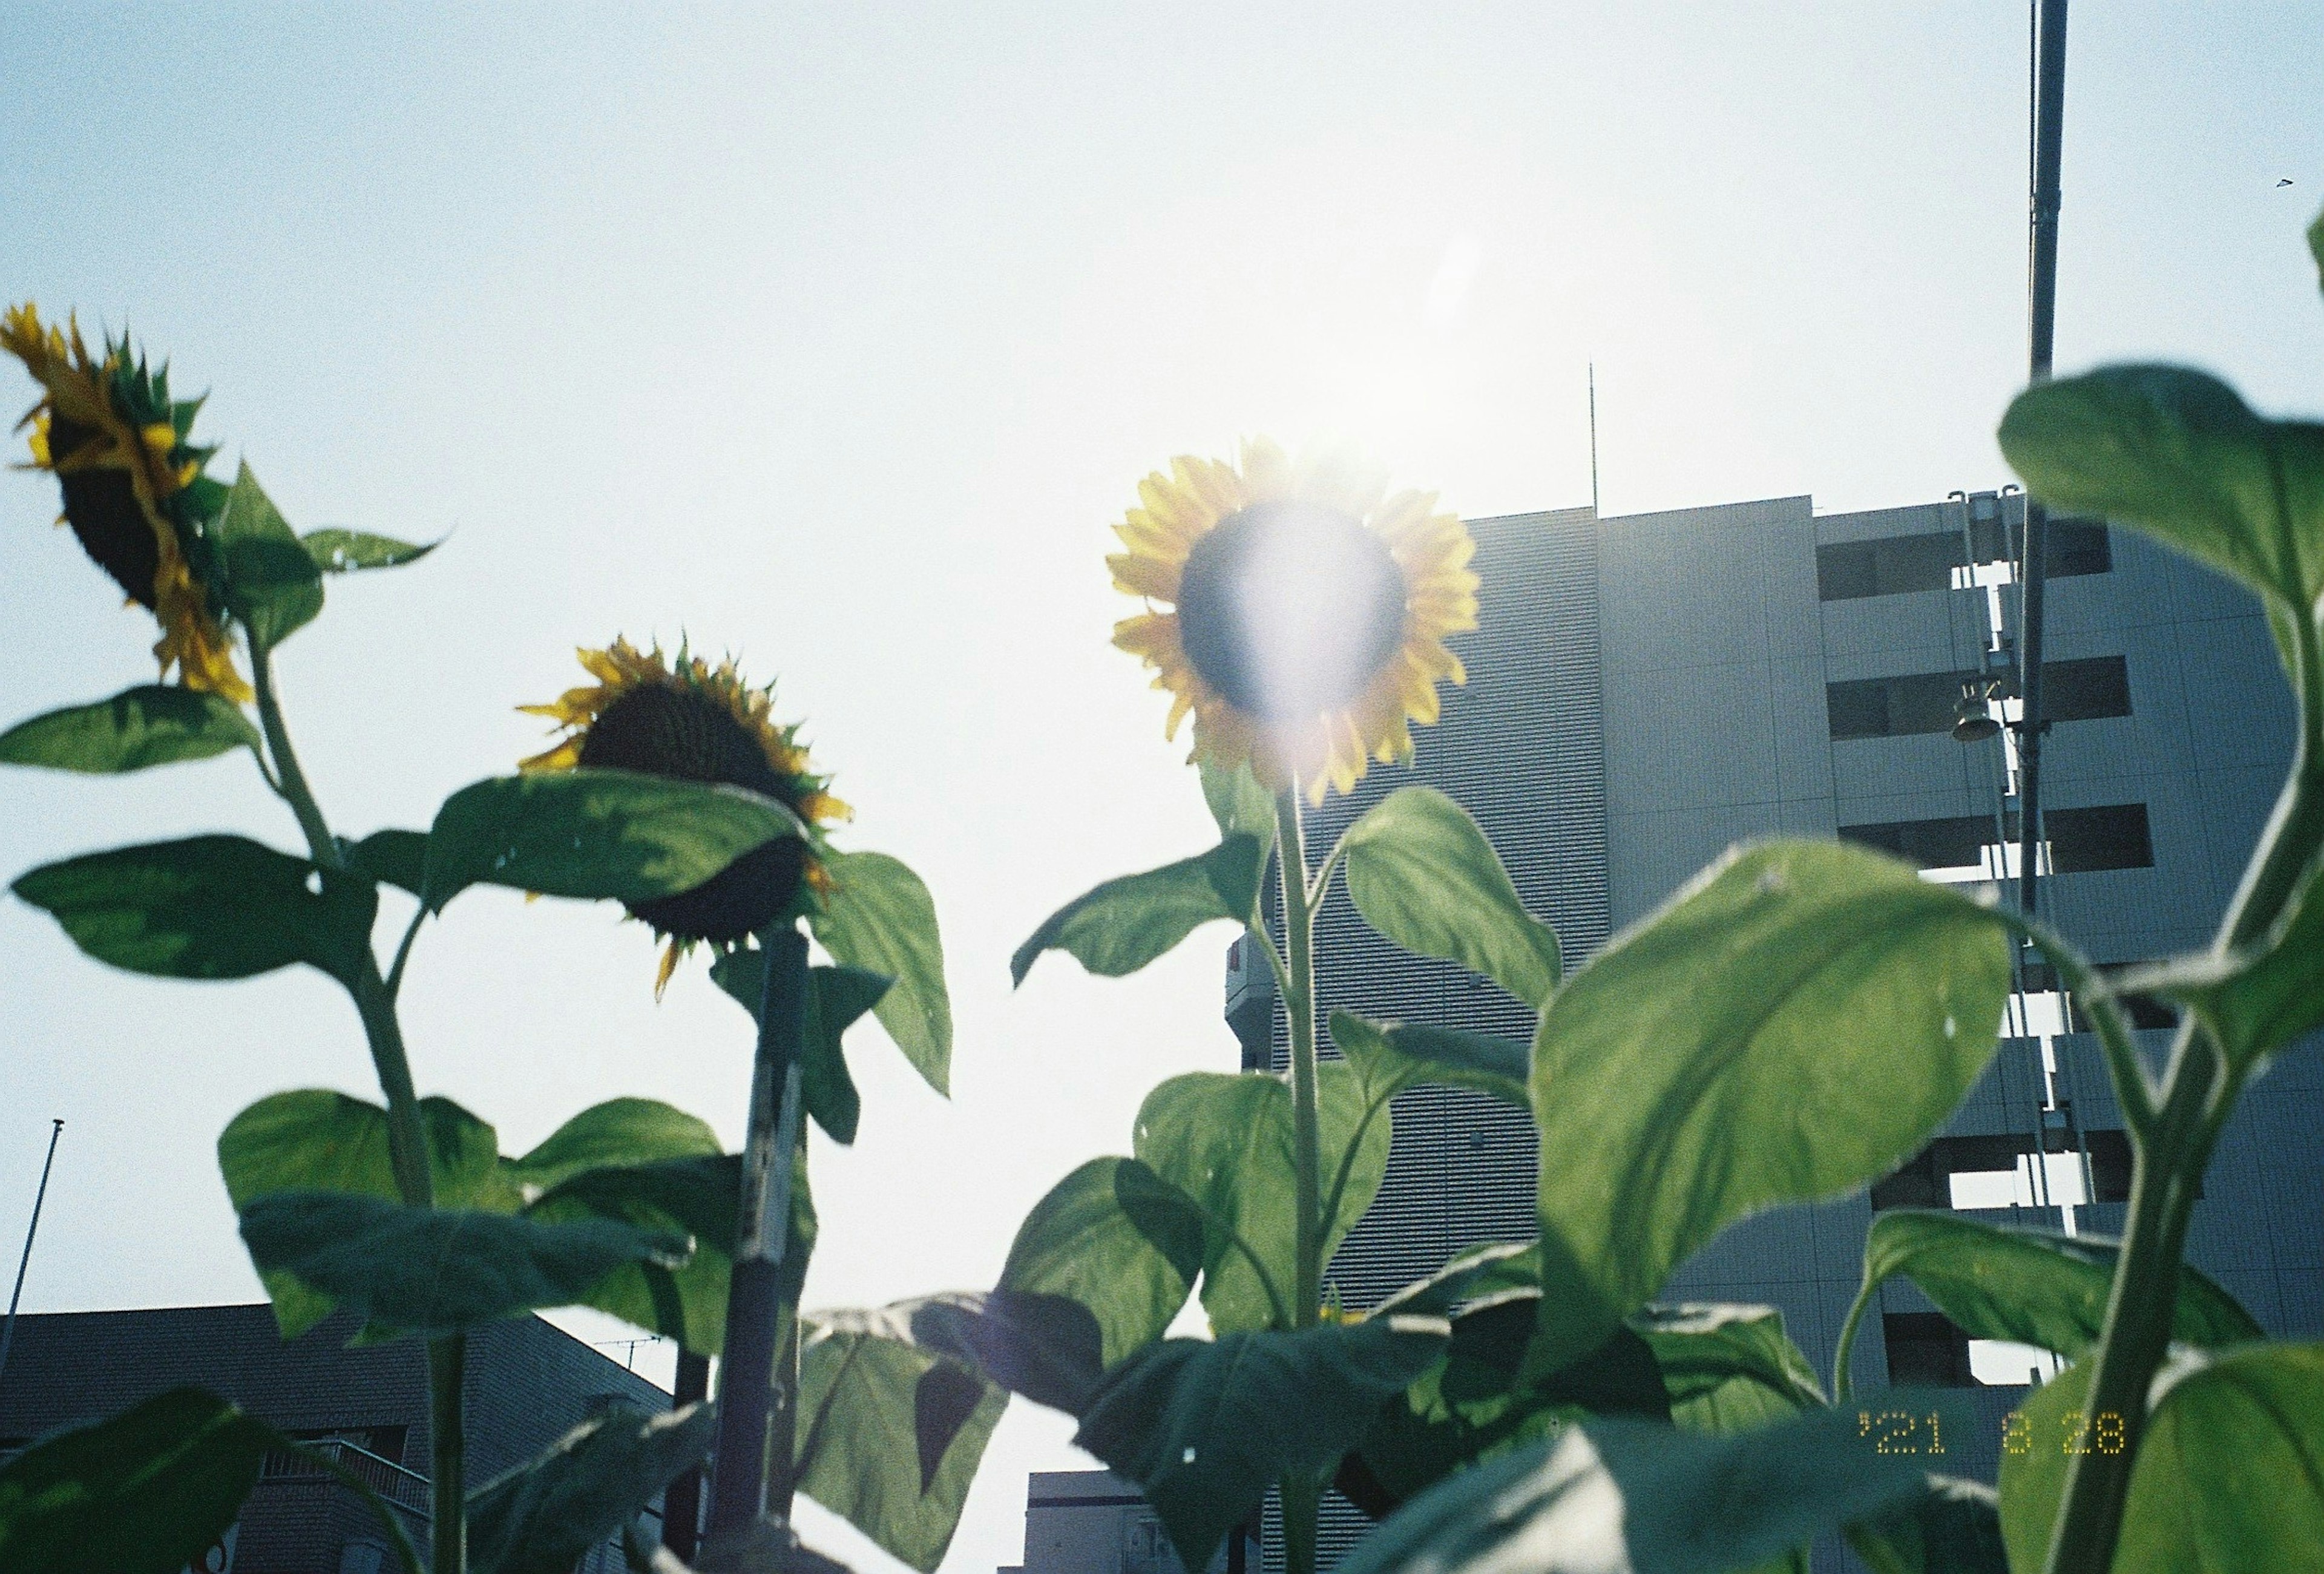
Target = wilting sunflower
(134,488)
(691,721)
(1309,610)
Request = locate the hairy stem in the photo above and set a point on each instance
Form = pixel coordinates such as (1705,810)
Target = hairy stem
(1301,1497)
(406,1133)
(1299,1001)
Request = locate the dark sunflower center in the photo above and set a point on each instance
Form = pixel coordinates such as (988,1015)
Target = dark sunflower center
(101,505)
(1288,610)
(676,731)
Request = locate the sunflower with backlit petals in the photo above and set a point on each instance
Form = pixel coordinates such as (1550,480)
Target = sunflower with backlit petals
(1308,611)
(691,721)
(134,489)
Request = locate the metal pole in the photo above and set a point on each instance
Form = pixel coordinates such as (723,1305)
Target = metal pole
(1593,438)
(681,1511)
(8,1328)
(753,1299)
(2040,333)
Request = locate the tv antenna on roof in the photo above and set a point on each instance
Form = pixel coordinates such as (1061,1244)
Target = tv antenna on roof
(8,1328)
(1593,438)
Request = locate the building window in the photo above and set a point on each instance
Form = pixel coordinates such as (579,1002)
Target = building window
(2086,841)
(1892,565)
(1900,565)
(1925,1350)
(1958,842)
(1895,707)
(2002,1164)
(2085,690)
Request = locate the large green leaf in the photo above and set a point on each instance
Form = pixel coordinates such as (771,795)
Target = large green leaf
(697,1198)
(313,1139)
(207,907)
(1116,928)
(618,1133)
(1422,873)
(1048,1348)
(152,724)
(1120,1240)
(1953,1527)
(879,918)
(836,998)
(1609,1494)
(2030,1286)
(1795,1021)
(2179,455)
(1478,1403)
(1390,1057)
(2258,1002)
(616,835)
(1205,1427)
(1225,1140)
(337,551)
(865,1386)
(392,858)
(542,1517)
(1728,1368)
(2229,1478)
(1238,803)
(273,584)
(434,1270)
(142,1493)
(1481,1272)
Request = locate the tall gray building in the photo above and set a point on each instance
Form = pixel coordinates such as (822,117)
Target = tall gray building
(1646,691)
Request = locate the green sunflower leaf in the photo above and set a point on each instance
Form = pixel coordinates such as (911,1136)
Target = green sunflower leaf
(2179,455)
(1046,1348)
(135,730)
(317,1140)
(2030,1286)
(336,551)
(594,834)
(864,1386)
(1792,1023)
(1612,1493)
(1953,1527)
(879,918)
(145,1492)
(1117,928)
(1206,1426)
(1238,803)
(1390,1057)
(1225,1139)
(1727,1368)
(619,1133)
(2227,1476)
(1423,874)
(837,997)
(207,907)
(1117,1238)
(273,585)
(392,858)
(544,1515)
(430,1272)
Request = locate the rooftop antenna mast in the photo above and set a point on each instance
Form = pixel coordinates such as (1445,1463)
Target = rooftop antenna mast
(1593,438)
(8,1328)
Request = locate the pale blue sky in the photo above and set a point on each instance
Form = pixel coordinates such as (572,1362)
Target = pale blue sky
(838,336)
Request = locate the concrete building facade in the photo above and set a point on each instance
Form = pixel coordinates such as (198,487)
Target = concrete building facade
(527,1384)
(1646,691)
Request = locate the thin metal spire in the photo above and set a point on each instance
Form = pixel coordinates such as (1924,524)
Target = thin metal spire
(8,1328)
(1593,437)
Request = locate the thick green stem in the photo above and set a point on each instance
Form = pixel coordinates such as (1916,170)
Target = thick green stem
(406,1134)
(2139,1310)
(447,1360)
(1299,1001)
(1302,1504)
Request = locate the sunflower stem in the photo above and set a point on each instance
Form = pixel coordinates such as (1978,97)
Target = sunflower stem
(1299,1001)
(406,1134)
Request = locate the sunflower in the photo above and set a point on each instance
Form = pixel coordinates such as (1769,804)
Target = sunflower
(691,721)
(1309,610)
(134,489)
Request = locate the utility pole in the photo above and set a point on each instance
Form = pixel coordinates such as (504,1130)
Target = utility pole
(8,1328)
(2040,333)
